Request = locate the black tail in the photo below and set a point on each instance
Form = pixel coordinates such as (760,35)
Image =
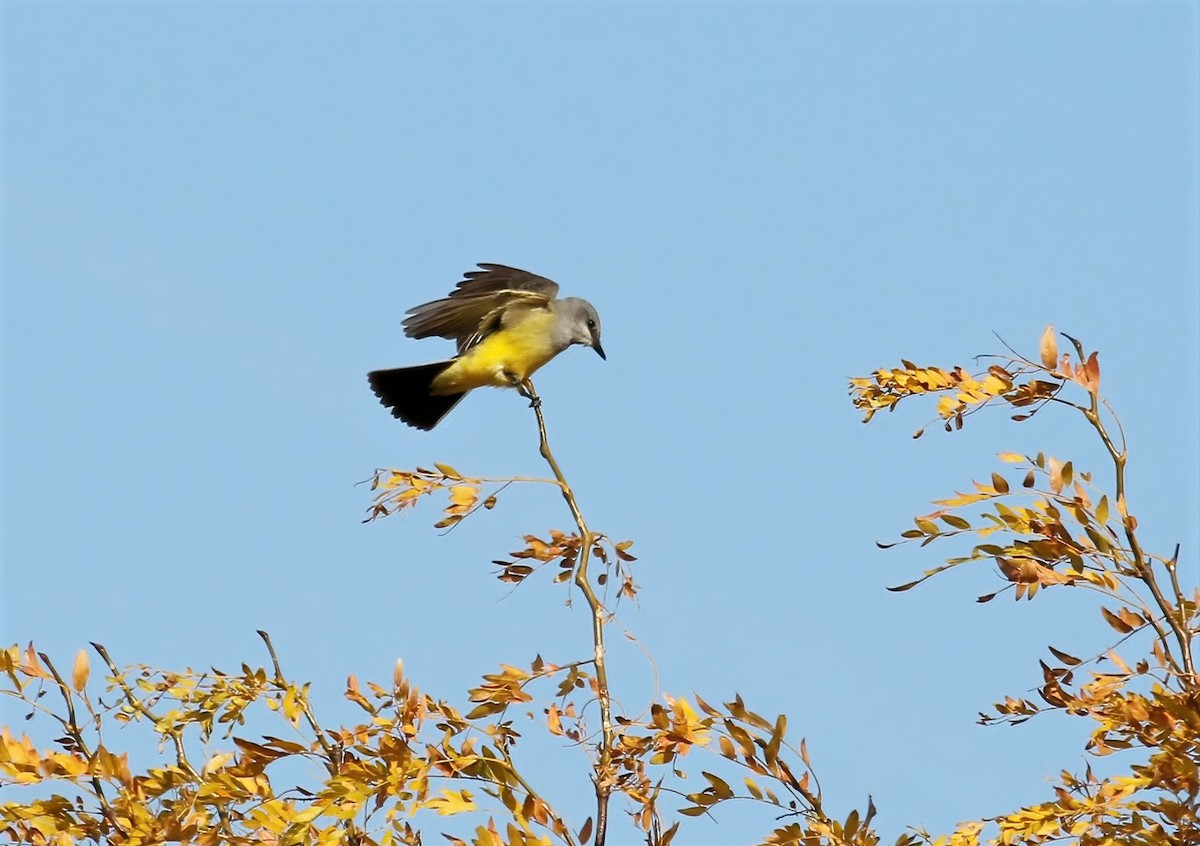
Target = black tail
(405,391)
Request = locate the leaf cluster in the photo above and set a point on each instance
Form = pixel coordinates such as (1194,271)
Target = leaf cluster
(415,762)
(1055,529)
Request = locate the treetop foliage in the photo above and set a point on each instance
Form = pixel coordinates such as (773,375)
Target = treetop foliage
(416,765)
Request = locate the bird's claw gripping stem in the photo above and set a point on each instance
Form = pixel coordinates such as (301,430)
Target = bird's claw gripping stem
(525,389)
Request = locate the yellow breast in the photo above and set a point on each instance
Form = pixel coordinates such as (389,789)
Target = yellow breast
(512,353)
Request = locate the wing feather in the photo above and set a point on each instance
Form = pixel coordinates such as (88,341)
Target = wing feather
(494,278)
(473,309)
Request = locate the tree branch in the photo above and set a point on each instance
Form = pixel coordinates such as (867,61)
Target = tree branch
(603,778)
(75,733)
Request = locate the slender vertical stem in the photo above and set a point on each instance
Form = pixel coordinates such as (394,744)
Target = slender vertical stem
(331,760)
(1143,566)
(603,778)
(1145,569)
(76,734)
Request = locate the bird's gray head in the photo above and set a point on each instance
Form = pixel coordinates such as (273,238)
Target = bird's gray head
(578,323)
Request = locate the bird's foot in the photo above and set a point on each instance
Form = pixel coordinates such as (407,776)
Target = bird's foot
(525,389)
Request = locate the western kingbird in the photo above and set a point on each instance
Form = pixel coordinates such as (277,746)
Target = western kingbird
(507,323)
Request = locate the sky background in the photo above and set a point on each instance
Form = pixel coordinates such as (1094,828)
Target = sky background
(216,214)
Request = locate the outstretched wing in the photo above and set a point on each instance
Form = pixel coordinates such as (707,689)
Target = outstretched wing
(475,307)
(496,278)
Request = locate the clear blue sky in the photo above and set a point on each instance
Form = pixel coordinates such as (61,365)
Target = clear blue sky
(216,214)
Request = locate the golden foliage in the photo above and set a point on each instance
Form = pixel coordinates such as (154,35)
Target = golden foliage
(1057,530)
(1014,381)
(415,762)
(378,773)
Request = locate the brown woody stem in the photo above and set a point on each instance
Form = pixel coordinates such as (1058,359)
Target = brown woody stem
(331,760)
(1144,568)
(603,779)
(76,734)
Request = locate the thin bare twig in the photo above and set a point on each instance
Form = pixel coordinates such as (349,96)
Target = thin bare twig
(75,733)
(604,779)
(1144,568)
(331,762)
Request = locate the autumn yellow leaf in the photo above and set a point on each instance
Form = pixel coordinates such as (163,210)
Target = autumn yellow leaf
(1049,349)
(1056,475)
(217,761)
(1091,373)
(80,672)
(452,802)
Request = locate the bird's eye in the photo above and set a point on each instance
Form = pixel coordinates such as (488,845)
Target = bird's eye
(591,323)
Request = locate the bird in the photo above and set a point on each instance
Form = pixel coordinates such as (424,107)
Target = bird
(506,323)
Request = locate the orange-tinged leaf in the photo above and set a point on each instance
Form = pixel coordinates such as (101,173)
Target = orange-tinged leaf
(1069,660)
(553,722)
(1091,373)
(1049,348)
(1131,617)
(30,665)
(448,471)
(585,832)
(80,672)
(999,483)
(1115,621)
(705,707)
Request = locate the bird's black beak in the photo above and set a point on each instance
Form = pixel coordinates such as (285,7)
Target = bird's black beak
(599,349)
